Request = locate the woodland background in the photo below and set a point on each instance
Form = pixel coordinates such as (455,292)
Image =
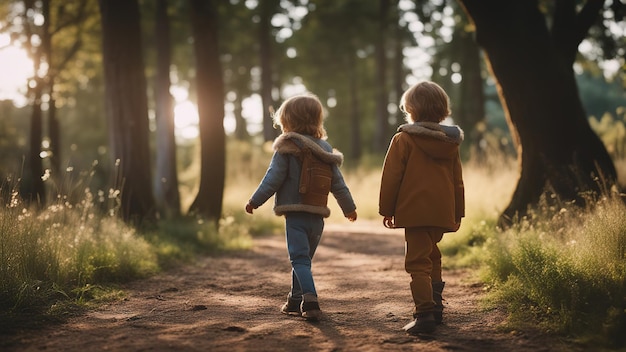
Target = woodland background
(153,116)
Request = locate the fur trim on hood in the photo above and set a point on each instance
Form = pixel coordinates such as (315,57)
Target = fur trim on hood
(450,134)
(292,143)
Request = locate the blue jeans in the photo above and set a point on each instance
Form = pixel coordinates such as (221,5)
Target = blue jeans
(303,232)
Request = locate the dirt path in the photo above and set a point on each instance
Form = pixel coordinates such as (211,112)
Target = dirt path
(231,303)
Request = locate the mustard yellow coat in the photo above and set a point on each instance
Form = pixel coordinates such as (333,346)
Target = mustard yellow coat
(422,181)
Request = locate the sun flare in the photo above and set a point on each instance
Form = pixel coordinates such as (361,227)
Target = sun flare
(15,70)
(186,120)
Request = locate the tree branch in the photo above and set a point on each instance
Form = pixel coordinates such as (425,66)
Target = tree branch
(586,18)
(569,28)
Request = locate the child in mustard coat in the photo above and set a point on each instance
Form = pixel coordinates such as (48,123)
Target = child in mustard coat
(422,191)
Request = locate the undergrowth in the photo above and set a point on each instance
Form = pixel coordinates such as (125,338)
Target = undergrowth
(564,272)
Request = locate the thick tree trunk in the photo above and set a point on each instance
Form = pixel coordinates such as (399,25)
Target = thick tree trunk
(127,107)
(559,152)
(166,185)
(210,85)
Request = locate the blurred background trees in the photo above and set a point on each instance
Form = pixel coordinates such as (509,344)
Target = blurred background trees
(211,80)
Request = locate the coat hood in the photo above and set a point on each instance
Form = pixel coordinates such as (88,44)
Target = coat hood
(436,140)
(292,143)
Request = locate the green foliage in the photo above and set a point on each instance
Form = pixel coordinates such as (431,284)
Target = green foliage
(566,271)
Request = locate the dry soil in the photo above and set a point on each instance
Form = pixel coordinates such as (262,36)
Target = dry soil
(231,302)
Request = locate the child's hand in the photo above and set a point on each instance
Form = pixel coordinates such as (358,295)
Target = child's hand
(388,222)
(249,208)
(351,216)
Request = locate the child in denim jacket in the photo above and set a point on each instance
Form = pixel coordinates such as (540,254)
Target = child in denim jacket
(301,120)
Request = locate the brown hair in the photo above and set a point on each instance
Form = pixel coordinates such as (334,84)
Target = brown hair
(425,101)
(302,114)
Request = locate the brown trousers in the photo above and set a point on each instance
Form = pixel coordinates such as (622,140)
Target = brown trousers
(423,261)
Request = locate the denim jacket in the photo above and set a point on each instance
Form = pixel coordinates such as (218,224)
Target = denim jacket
(283,176)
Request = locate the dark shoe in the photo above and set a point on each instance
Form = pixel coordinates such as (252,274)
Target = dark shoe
(438,298)
(291,307)
(310,307)
(424,323)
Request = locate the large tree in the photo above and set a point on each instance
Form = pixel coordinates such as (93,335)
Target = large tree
(210,91)
(127,107)
(533,65)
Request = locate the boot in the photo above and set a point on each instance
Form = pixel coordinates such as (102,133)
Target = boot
(310,307)
(438,298)
(292,306)
(424,323)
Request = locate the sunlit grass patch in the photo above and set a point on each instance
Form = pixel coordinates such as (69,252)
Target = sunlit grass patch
(76,252)
(61,248)
(567,272)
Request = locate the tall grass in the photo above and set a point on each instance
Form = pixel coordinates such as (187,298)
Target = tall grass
(62,250)
(566,272)
(75,252)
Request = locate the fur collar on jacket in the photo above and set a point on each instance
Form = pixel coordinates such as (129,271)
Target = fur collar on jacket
(450,134)
(292,143)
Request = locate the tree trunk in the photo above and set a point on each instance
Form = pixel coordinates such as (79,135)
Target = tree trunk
(382,99)
(559,152)
(210,85)
(54,135)
(127,107)
(37,193)
(265,52)
(53,123)
(34,192)
(241,127)
(356,148)
(399,71)
(166,185)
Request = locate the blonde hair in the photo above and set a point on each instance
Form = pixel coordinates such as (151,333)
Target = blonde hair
(425,101)
(302,114)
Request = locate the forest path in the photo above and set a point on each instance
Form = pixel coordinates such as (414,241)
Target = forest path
(231,302)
